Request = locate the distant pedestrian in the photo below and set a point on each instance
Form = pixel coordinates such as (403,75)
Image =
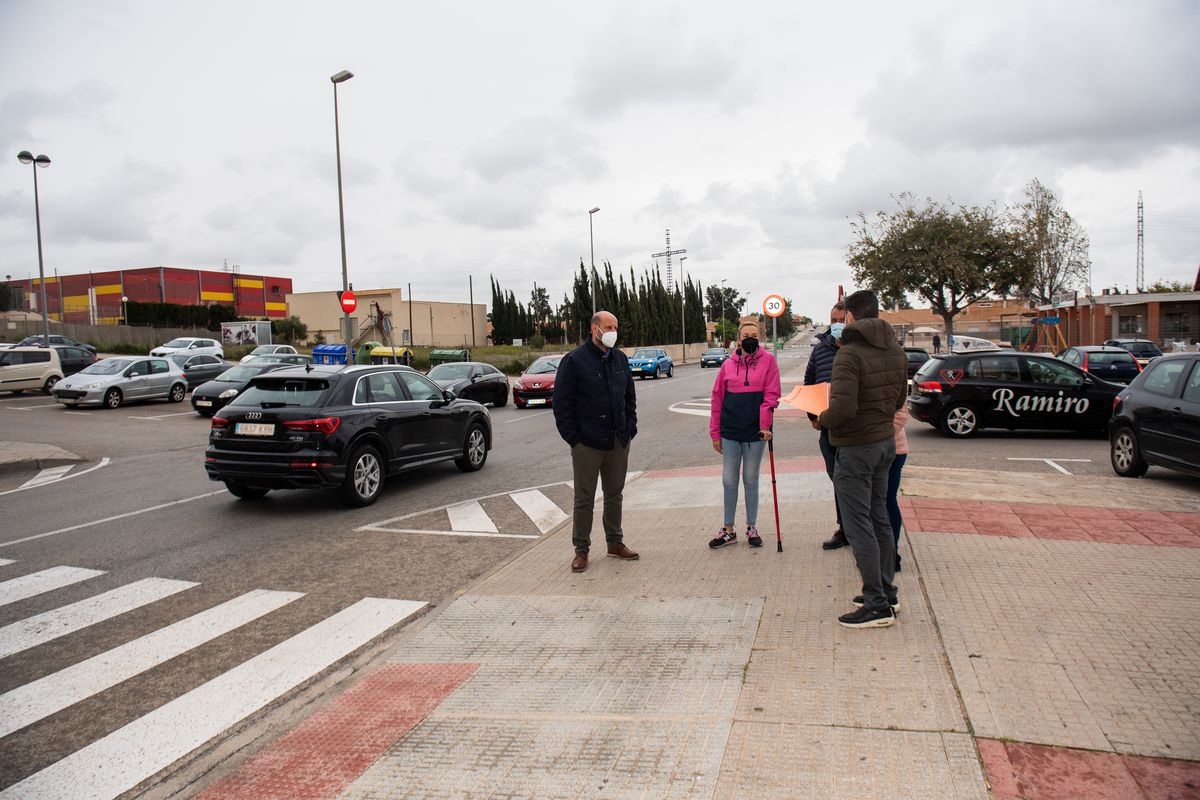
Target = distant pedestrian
(937,343)
(595,409)
(869,385)
(744,397)
(893,493)
(819,370)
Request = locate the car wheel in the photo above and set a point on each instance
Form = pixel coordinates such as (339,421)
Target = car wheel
(960,421)
(364,477)
(1125,455)
(177,393)
(245,492)
(671,371)
(49,384)
(474,450)
(501,398)
(656,373)
(112,398)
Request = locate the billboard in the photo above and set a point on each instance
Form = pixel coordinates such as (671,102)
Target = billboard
(253,332)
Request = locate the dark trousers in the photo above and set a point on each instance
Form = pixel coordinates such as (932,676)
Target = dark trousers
(860,479)
(608,467)
(893,496)
(829,453)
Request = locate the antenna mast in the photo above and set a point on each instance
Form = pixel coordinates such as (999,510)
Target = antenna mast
(1140,281)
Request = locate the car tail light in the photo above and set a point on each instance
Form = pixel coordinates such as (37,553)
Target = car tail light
(1085,361)
(1116,404)
(929,386)
(326,425)
(310,464)
(219,422)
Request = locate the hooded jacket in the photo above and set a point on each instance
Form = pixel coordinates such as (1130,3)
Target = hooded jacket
(868,386)
(744,396)
(820,362)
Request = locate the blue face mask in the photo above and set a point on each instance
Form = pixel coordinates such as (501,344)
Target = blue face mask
(835,330)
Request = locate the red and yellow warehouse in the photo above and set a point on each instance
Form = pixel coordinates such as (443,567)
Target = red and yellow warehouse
(95,297)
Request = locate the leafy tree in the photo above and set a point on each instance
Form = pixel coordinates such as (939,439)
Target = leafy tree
(1059,245)
(291,330)
(724,301)
(539,305)
(949,256)
(1160,286)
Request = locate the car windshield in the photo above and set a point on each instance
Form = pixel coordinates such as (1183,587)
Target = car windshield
(178,343)
(109,366)
(180,358)
(263,348)
(646,354)
(274,392)
(238,374)
(1142,348)
(543,366)
(451,372)
(715,351)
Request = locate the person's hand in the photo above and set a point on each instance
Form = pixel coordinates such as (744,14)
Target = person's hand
(765,435)
(816,425)
(717,446)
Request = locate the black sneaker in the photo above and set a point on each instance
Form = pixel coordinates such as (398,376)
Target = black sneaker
(752,537)
(723,538)
(838,540)
(894,602)
(897,562)
(865,618)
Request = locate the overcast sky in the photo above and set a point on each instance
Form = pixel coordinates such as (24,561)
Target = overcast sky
(475,136)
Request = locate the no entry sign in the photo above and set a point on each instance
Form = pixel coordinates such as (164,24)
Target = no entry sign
(348,300)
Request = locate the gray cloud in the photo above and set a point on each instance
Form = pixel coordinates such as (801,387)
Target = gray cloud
(23,110)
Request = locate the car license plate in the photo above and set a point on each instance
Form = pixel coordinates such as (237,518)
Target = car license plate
(254,429)
(204,403)
(537,402)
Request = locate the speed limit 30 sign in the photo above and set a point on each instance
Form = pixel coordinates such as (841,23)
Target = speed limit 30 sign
(774,305)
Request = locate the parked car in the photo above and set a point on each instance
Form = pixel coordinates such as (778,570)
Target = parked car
(342,428)
(972,344)
(211,396)
(652,362)
(192,346)
(1113,364)
(962,393)
(25,367)
(199,369)
(473,380)
(122,379)
(713,357)
(56,340)
(269,349)
(1143,350)
(916,356)
(535,386)
(74,358)
(295,359)
(1156,420)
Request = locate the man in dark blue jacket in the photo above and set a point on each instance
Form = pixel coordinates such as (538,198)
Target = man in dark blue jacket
(820,370)
(595,409)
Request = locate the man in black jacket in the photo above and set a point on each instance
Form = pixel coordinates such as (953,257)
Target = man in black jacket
(819,370)
(595,409)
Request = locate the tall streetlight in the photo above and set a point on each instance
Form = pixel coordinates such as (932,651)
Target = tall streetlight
(26,157)
(125,309)
(341,77)
(722,321)
(682,313)
(592,242)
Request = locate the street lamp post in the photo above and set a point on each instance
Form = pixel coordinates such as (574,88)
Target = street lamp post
(341,77)
(592,243)
(722,322)
(125,309)
(26,157)
(682,314)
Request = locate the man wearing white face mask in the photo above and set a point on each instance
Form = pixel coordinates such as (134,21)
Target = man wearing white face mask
(595,410)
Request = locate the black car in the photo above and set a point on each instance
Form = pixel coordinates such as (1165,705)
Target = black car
(55,341)
(962,393)
(473,380)
(294,359)
(199,369)
(1157,419)
(74,358)
(211,396)
(345,428)
(1143,350)
(917,356)
(713,357)
(1112,364)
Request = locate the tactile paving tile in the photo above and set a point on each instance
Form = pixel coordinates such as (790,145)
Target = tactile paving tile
(1078,644)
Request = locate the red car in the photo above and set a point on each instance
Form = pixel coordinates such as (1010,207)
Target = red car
(535,387)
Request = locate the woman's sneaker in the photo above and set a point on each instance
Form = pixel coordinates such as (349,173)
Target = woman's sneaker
(894,602)
(752,537)
(725,537)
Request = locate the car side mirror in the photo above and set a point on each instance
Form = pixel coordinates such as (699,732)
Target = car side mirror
(134,374)
(448,395)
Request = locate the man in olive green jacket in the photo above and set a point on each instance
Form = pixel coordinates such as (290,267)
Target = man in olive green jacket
(868,386)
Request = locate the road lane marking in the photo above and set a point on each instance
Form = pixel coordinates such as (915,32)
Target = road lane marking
(4,562)
(480,534)
(121,760)
(32,408)
(1052,462)
(469,517)
(42,628)
(104,462)
(27,704)
(525,416)
(539,508)
(127,514)
(46,476)
(164,416)
(44,581)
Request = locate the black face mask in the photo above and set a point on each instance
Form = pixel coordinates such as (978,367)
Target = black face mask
(749,345)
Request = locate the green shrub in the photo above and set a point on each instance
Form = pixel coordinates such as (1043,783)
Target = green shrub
(537,341)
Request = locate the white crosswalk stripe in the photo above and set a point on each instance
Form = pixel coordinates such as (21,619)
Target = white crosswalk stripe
(4,562)
(47,580)
(47,475)
(470,516)
(124,758)
(43,628)
(539,508)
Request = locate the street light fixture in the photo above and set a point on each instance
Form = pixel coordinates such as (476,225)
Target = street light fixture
(592,243)
(125,309)
(26,157)
(341,77)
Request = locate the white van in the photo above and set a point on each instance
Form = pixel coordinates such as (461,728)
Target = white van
(24,368)
(972,344)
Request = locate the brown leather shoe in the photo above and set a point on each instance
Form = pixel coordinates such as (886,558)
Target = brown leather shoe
(579,563)
(622,552)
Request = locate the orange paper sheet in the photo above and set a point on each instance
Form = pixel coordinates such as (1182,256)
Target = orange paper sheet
(813,399)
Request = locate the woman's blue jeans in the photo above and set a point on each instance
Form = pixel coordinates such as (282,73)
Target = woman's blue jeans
(893,500)
(744,458)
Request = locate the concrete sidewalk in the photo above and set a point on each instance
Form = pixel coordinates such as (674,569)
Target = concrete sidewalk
(31,455)
(1041,651)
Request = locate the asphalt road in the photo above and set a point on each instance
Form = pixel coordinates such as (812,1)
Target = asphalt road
(141,507)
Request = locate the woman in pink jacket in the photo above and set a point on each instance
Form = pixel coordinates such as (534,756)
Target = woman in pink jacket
(744,397)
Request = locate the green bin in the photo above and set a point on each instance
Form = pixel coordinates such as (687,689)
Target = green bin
(447,356)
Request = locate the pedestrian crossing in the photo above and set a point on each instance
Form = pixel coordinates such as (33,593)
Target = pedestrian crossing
(117,762)
(523,514)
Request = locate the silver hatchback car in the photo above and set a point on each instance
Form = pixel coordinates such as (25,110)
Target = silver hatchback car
(121,379)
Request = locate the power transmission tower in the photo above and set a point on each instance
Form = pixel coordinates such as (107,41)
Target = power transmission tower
(1140,283)
(668,253)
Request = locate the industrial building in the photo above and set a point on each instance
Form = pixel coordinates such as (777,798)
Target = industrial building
(383,315)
